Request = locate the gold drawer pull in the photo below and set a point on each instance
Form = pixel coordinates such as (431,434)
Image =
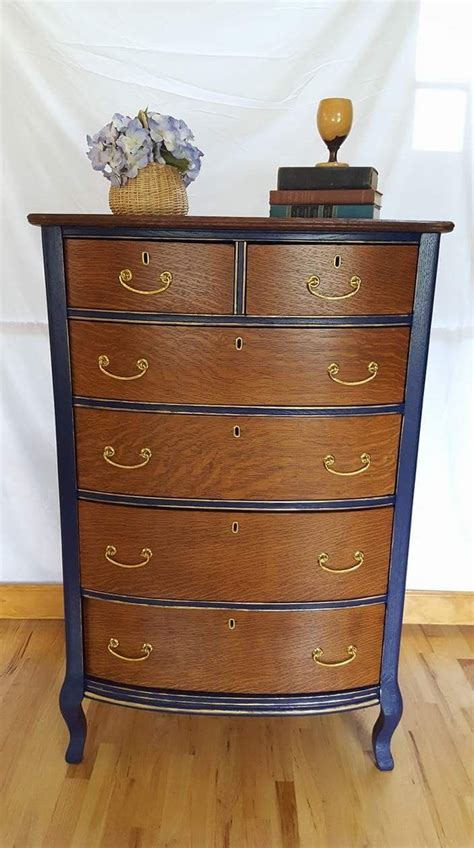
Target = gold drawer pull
(314,281)
(111,550)
(329,461)
(324,558)
(333,371)
(104,362)
(146,650)
(318,652)
(109,452)
(166,278)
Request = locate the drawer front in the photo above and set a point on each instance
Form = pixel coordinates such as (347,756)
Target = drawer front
(266,652)
(232,556)
(239,366)
(353,279)
(149,276)
(253,457)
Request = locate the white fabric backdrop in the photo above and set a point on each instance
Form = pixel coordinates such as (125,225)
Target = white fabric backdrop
(247,78)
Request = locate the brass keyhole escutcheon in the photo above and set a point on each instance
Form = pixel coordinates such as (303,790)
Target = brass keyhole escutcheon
(237,432)
(146,257)
(239,343)
(231,623)
(235,526)
(337,261)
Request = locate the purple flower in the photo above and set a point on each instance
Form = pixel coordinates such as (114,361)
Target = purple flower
(125,145)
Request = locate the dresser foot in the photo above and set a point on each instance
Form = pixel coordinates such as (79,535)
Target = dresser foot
(391,708)
(73,715)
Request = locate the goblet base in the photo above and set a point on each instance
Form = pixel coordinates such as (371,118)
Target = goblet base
(331,165)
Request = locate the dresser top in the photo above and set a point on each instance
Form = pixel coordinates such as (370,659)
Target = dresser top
(190,222)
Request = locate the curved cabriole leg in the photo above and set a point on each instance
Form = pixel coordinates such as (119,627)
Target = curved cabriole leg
(70,701)
(391,708)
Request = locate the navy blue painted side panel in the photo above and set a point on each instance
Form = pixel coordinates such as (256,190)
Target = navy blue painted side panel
(390,697)
(240,320)
(322,411)
(73,687)
(231,605)
(265,506)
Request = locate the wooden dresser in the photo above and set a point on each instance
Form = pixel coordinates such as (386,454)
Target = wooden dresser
(238,406)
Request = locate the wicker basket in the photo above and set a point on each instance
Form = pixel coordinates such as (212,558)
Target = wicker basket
(156,190)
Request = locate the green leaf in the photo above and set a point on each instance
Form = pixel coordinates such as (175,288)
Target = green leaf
(181,164)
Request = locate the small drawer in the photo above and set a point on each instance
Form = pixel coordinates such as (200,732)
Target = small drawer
(234,556)
(239,366)
(293,458)
(336,279)
(218,650)
(149,276)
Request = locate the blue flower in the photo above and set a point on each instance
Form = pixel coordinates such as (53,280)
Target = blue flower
(124,146)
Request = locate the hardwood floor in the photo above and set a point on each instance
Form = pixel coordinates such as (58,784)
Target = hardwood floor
(160,781)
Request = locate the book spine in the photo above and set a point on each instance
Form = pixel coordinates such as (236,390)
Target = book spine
(280,211)
(332,196)
(314,179)
(325,210)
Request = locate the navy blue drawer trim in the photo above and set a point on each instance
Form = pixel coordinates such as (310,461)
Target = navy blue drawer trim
(241,320)
(210,702)
(280,607)
(251,236)
(244,506)
(194,409)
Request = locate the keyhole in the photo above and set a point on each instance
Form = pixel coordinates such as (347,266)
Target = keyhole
(237,431)
(239,343)
(235,526)
(337,261)
(145,257)
(231,623)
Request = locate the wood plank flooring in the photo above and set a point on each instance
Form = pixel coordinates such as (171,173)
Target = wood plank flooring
(158,781)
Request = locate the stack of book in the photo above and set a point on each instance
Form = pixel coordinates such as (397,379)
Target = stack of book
(326,193)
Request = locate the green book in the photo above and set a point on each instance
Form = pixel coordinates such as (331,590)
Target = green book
(327,210)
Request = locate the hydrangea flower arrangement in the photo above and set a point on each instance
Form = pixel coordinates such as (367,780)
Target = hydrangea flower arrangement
(125,145)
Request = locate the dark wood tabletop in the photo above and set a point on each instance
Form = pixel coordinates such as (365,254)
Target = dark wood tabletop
(191,222)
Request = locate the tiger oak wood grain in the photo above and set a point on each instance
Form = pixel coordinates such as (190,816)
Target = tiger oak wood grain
(267,652)
(198,456)
(203,275)
(275,366)
(272,557)
(277,276)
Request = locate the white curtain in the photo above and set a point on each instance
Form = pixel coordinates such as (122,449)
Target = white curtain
(247,78)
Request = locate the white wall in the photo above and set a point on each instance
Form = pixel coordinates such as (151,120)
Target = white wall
(247,78)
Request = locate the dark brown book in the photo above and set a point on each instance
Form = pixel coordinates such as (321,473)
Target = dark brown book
(349,196)
(314,179)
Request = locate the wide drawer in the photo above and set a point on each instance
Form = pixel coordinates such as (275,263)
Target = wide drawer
(234,556)
(330,279)
(239,366)
(237,457)
(233,650)
(149,276)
